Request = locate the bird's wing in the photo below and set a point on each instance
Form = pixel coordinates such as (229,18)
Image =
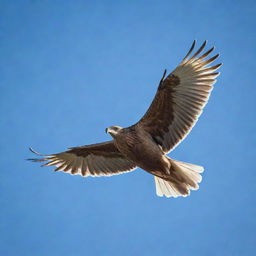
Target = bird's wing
(180,99)
(102,159)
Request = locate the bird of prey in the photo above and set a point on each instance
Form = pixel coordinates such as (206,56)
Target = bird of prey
(179,101)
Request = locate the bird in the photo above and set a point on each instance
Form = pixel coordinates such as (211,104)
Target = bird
(175,109)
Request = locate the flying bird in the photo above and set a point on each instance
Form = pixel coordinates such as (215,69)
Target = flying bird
(176,107)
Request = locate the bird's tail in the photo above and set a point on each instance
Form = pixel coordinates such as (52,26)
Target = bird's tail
(182,178)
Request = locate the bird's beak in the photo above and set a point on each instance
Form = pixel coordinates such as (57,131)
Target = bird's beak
(106,130)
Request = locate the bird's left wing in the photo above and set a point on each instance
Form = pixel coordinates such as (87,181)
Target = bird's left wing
(102,159)
(180,99)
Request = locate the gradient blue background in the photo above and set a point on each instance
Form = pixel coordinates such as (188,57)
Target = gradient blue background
(69,69)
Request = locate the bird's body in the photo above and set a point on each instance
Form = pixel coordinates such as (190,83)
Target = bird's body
(137,145)
(178,103)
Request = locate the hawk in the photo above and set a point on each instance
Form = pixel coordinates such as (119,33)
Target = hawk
(176,107)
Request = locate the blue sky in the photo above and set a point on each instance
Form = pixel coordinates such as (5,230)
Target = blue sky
(69,69)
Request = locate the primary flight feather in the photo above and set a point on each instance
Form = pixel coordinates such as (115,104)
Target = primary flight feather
(179,101)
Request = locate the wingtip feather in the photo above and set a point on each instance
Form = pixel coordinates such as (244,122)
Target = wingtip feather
(35,152)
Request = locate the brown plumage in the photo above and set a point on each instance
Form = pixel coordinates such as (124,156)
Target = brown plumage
(178,103)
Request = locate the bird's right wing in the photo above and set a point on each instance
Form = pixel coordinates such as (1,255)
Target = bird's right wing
(180,99)
(102,159)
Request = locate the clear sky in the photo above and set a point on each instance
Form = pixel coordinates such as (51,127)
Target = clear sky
(68,70)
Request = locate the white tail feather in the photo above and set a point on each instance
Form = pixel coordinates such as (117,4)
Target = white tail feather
(190,173)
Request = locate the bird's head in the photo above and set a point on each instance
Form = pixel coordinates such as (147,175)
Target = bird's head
(113,130)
